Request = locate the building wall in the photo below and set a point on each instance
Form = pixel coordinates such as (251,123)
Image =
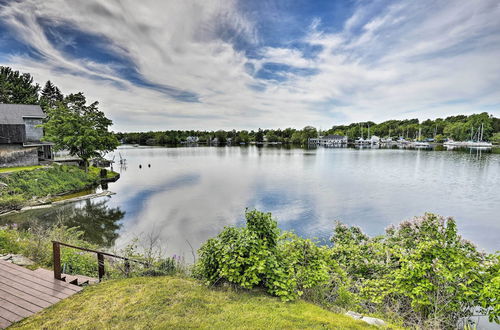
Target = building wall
(16,155)
(12,133)
(33,133)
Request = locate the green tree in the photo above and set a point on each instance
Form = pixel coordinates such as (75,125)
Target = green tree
(496,138)
(259,136)
(50,96)
(80,128)
(17,87)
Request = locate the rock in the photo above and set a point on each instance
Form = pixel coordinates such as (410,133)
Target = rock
(354,315)
(373,321)
(367,319)
(20,260)
(6,257)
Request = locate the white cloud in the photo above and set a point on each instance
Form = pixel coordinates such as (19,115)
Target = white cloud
(411,57)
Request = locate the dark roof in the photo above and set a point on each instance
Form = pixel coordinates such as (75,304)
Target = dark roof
(334,137)
(13,114)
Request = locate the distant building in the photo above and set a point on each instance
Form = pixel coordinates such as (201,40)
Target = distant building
(192,139)
(329,140)
(20,136)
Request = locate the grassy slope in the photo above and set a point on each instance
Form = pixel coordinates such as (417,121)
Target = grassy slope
(168,302)
(23,185)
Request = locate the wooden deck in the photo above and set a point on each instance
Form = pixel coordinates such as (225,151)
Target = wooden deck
(24,292)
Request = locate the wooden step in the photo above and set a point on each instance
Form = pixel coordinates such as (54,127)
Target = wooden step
(71,279)
(24,292)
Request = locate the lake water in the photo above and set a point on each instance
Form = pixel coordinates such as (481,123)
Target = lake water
(189,194)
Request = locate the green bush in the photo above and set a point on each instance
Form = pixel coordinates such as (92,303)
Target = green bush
(256,255)
(421,269)
(11,202)
(36,244)
(9,241)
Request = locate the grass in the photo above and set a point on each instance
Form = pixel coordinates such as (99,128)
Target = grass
(170,302)
(17,169)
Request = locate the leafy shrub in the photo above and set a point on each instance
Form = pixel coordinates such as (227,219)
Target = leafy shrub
(422,270)
(256,255)
(9,241)
(36,244)
(11,202)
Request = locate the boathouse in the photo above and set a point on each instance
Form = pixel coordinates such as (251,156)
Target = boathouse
(21,136)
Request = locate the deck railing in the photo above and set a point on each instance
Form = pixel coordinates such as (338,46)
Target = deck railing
(56,253)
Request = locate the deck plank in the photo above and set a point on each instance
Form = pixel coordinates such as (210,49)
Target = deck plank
(26,302)
(53,285)
(14,308)
(16,289)
(17,282)
(24,292)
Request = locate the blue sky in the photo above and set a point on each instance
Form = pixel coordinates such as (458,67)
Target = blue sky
(187,64)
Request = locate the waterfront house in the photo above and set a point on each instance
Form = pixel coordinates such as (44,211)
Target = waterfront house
(192,139)
(21,135)
(329,140)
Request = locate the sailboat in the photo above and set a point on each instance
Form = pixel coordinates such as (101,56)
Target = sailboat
(478,143)
(418,143)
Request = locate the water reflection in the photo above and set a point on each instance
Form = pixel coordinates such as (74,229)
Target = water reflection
(99,222)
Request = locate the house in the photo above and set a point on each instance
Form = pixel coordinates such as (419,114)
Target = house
(20,136)
(192,139)
(329,140)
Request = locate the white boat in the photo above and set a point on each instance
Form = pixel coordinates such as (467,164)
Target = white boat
(418,143)
(470,144)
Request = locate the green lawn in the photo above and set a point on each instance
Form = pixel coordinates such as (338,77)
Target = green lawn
(17,169)
(169,302)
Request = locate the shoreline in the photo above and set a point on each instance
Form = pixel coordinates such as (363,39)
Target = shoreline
(62,197)
(45,205)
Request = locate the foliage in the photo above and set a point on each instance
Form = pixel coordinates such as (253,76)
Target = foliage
(421,270)
(496,138)
(79,128)
(36,244)
(455,127)
(22,186)
(256,255)
(17,87)
(50,96)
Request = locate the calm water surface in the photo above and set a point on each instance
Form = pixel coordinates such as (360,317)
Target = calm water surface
(189,194)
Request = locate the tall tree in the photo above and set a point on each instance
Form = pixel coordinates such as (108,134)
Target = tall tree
(50,96)
(80,128)
(16,87)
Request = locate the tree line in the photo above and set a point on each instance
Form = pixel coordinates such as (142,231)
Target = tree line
(459,128)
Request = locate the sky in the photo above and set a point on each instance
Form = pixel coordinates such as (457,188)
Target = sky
(224,64)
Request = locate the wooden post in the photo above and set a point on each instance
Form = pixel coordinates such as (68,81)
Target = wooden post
(56,255)
(100,261)
(127,267)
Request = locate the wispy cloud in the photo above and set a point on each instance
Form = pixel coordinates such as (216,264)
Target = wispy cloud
(192,64)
